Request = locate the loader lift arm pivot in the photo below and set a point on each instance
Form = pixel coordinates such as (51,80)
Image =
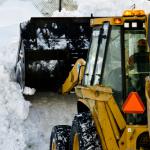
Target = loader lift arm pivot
(75,76)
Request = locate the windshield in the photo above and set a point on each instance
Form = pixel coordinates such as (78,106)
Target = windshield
(137,59)
(112,69)
(112,75)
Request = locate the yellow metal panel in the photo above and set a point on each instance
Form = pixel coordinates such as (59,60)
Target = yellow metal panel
(100,21)
(99,130)
(113,123)
(129,138)
(94,92)
(147,92)
(105,126)
(101,88)
(78,92)
(76,142)
(116,113)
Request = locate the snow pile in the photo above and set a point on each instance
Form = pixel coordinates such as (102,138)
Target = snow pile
(103,7)
(10,90)
(14,109)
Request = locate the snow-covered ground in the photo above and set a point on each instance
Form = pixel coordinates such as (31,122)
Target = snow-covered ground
(48,109)
(21,129)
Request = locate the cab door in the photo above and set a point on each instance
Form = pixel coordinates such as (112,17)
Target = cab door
(96,53)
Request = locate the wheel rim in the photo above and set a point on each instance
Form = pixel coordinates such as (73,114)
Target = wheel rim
(76,142)
(53,145)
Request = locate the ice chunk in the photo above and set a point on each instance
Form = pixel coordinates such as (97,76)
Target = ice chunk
(29,91)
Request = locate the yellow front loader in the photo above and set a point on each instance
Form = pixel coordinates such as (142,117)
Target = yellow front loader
(113,88)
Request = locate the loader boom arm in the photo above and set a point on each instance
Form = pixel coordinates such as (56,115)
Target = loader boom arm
(75,76)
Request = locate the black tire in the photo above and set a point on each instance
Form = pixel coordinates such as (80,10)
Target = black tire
(60,136)
(84,127)
(143,141)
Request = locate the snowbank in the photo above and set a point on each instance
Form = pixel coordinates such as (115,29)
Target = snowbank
(14,109)
(103,7)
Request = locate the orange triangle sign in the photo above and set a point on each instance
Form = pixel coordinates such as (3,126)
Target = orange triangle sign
(133,104)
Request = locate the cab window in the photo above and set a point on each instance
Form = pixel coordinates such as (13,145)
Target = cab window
(112,75)
(92,56)
(137,60)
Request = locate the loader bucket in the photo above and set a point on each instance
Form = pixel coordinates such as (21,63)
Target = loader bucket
(48,49)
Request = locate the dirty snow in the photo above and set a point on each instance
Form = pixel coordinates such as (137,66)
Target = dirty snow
(48,109)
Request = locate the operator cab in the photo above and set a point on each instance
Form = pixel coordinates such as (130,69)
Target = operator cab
(116,60)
